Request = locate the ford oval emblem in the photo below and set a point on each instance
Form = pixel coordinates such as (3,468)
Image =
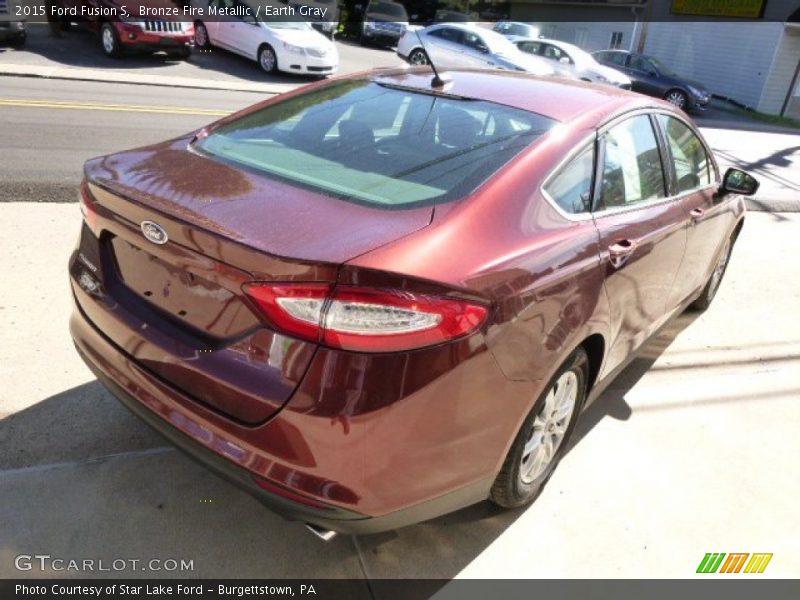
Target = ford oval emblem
(154,232)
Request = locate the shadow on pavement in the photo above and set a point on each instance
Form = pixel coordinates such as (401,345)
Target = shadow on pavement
(114,489)
(611,403)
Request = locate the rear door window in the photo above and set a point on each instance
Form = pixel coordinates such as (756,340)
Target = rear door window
(530,47)
(448,34)
(632,169)
(692,164)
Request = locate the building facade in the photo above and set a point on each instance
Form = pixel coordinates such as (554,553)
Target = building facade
(753,61)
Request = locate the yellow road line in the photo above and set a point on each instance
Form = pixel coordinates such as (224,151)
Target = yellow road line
(174,110)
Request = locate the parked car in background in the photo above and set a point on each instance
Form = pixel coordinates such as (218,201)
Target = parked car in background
(462,45)
(652,77)
(327,25)
(444,15)
(276,45)
(134,34)
(12,28)
(580,62)
(384,23)
(514,30)
(372,302)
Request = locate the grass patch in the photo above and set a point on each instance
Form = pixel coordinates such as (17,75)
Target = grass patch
(771,119)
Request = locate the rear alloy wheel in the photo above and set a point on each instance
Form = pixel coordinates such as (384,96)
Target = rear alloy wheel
(542,440)
(109,40)
(267,59)
(677,98)
(707,296)
(418,57)
(201,36)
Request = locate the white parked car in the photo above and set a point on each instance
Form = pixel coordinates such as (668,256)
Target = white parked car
(451,45)
(289,46)
(582,64)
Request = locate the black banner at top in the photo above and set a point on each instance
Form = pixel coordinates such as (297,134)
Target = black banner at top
(337,13)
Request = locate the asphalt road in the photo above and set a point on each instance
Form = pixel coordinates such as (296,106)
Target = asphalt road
(49,128)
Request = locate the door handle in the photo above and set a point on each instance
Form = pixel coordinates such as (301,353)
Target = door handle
(697,214)
(620,252)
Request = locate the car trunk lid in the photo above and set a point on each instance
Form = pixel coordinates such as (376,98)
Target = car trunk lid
(188,320)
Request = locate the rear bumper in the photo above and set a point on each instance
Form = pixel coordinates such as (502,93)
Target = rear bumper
(125,377)
(326,459)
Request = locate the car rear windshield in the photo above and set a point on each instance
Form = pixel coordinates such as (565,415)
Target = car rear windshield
(379,145)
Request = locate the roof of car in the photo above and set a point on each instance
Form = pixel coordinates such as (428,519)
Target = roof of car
(457,25)
(556,98)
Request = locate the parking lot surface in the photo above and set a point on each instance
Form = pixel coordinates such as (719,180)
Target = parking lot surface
(692,450)
(77,55)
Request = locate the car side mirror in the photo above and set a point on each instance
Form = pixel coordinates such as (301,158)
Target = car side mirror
(483,48)
(737,181)
(563,60)
(249,19)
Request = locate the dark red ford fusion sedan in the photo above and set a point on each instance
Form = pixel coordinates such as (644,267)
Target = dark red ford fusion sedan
(373,301)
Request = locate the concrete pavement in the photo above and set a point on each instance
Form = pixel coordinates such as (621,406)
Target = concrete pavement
(772,157)
(692,450)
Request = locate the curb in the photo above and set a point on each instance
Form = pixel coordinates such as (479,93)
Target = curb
(776,205)
(106,76)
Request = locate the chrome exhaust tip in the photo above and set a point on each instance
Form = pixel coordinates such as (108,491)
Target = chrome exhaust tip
(326,535)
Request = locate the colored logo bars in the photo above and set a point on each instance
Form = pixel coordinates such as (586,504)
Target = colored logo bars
(713,562)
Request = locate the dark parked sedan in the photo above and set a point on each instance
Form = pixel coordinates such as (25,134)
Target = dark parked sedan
(372,301)
(650,76)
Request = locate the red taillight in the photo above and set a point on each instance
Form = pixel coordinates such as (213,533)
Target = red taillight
(365,319)
(88,208)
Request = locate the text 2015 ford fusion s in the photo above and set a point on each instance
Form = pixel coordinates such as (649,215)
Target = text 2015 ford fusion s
(372,301)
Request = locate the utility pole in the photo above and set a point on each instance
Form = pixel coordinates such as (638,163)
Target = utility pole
(644,25)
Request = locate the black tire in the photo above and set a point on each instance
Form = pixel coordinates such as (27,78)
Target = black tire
(712,286)
(418,56)
(263,56)
(510,490)
(677,98)
(201,39)
(109,41)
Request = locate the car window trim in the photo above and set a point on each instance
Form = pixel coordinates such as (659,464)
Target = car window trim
(709,155)
(590,141)
(594,138)
(601,143)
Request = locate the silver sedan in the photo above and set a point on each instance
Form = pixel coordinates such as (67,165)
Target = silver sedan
(570,57)
(459,45)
